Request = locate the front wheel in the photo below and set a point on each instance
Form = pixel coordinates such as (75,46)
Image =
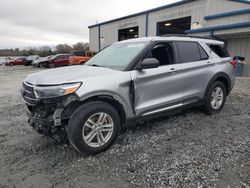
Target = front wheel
(93,127)
(215,98)
(51,65)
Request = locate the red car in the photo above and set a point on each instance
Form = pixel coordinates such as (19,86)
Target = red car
(57,61)
(18,61)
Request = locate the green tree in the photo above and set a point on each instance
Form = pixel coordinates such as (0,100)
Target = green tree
(63,48)
(81,46)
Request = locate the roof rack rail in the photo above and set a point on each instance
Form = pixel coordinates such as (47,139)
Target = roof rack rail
(174,35)
(193,36)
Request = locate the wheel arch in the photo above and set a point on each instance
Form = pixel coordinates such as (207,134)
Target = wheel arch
(68,111)
(222,77)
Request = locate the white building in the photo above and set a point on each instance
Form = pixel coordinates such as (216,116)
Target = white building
(226,19)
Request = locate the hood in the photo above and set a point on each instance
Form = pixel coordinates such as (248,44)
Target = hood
(69,74)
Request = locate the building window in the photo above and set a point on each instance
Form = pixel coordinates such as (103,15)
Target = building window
(128,33)
(176,26)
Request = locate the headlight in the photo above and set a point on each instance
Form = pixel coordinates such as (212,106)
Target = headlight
(44,92)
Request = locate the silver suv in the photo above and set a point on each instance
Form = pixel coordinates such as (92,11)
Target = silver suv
(127,81)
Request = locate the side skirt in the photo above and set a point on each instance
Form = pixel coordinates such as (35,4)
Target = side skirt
(167,111)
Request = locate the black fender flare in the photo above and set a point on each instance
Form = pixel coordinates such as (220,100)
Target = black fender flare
(224,78)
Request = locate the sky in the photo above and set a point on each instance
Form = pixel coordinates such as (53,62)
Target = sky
(28,23)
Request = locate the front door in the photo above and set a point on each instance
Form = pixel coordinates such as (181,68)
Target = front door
(171,85)
(157,87)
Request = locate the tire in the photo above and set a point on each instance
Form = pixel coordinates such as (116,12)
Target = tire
(51,65)
(82,63)
(84,136)
(215,98)
(44,65)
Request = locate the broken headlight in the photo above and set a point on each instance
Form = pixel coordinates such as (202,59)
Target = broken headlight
(44,92)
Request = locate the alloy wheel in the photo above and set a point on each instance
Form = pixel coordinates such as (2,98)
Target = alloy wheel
(217,98)
(98,129)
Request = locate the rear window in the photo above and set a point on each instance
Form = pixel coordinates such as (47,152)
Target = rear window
(219,49)
(77,53)
(190,52)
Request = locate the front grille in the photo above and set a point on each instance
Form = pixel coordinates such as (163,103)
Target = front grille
(28,94)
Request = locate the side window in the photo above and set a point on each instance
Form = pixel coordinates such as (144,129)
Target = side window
(188,51)
(219,49)
(79,53)
(163,53)
(203,53)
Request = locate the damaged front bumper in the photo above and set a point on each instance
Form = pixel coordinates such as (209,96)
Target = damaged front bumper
(46,115)
(45,123)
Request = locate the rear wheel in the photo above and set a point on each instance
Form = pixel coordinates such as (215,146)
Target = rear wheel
(51,65)
(215,98)
(82,63)
(93,127)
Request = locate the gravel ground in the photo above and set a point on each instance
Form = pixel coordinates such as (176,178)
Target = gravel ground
(189,149)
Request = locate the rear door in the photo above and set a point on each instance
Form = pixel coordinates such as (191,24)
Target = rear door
(196,69)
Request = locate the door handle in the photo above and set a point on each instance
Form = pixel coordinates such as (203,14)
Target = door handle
(173,70)
(210,64)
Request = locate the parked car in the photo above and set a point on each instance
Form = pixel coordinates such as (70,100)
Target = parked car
(38,62)
(78,57)
(30,59)
(4,60)
(57,61)
(16,61)
(128,81)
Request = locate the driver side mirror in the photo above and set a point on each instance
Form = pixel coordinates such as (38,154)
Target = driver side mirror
(149,63)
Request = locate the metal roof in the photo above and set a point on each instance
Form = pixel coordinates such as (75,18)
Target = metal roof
(242,1)
(144,12)
(158,8)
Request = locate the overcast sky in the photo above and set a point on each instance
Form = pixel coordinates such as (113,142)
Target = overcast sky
(25,23)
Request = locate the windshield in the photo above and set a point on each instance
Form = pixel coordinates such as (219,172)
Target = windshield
(117,56)
(49,57)
(32,57)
